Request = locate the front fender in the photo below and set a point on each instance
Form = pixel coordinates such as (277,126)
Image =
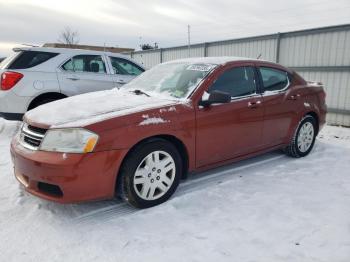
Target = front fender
(126,131)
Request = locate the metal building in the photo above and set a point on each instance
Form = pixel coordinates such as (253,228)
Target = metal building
(320,54)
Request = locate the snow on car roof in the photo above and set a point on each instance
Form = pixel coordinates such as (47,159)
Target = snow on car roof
(214,60)
(66,51)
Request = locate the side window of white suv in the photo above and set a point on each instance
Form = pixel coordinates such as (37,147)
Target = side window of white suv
(85,63)
(29,59)
(124,67)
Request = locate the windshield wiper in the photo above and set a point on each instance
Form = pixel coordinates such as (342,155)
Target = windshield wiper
(139,92)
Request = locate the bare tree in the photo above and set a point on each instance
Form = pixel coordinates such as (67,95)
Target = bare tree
(69,36)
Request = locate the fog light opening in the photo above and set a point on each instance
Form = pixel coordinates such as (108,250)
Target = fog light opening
(50,189)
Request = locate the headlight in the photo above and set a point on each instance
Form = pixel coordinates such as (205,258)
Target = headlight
(70,140)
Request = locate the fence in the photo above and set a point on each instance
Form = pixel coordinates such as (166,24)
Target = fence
(320,54)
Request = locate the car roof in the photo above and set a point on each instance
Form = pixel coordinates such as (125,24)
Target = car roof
(220,60)
(66,51)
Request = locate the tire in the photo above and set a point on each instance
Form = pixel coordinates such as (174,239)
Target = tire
(44,101)
(303,139)
(144,182)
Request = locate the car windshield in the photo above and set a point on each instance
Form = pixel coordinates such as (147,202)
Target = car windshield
(172,80)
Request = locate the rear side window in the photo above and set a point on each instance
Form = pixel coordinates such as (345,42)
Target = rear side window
(7,61)
(274,79)
(238,81)
(124,67)
(85,63)
(28,59)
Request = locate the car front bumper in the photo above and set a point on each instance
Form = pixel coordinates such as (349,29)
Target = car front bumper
(67,178)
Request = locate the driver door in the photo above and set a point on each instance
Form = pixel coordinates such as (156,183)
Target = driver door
(229,130)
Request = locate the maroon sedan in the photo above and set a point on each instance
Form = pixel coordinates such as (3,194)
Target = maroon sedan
(179,117)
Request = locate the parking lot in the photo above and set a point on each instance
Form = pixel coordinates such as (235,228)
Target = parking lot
(270,208)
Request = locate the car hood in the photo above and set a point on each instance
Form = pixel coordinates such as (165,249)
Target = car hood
(86,109)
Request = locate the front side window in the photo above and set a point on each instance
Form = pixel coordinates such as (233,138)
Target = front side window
(124,67)
(85,63)
(28,59)
(238,81)
(274,79)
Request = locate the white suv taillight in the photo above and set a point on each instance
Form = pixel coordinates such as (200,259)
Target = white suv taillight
(9,80)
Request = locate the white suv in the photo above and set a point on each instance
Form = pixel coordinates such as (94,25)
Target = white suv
(38,75)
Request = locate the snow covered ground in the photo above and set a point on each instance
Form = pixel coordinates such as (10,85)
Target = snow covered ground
(270,208)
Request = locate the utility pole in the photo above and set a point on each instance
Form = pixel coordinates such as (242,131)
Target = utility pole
(189,39)
(140,40)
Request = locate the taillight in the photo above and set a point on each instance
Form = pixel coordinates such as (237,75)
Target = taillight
(9,80)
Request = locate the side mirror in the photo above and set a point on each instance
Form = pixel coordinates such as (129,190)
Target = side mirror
(215,97)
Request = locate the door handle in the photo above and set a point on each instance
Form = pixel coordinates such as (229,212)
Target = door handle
(254,104)
(294,97)
(121,81)
(73,78)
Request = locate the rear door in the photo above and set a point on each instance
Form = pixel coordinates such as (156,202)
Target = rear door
(281,105)
(85,73)
(123,70)
(226,131)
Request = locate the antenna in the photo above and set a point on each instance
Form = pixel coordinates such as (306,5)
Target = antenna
(259,56)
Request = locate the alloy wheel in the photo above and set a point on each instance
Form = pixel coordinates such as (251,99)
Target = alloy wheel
(154,175)
(305,136)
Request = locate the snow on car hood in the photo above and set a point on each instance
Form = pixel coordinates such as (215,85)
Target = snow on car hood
(93,107)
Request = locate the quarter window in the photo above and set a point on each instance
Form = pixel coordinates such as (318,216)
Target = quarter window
(238,81)
(28,59)
(85,63)
(274,79)
(124,67)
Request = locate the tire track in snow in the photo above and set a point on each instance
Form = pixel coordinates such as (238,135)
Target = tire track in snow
(193,183)
(7,130)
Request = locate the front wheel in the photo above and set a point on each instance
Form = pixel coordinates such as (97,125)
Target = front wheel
(303,139)
(150,174)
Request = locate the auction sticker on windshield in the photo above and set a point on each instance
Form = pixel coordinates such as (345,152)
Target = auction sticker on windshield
(201,67)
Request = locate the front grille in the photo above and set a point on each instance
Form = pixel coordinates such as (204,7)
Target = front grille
(37,129)
(31,141)
(31,136)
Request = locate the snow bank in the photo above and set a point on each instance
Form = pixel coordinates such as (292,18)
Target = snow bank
(270,208)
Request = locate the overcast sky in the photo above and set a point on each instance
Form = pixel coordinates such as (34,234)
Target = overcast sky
(130,22)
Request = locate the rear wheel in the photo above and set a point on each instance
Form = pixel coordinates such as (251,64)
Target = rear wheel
(303,139)
(44,99)
(150,174)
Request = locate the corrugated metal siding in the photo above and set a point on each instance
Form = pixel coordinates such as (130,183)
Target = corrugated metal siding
(324,49)
(178,53)
(337,86)
(148,58)
(267,49)
(324,53)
